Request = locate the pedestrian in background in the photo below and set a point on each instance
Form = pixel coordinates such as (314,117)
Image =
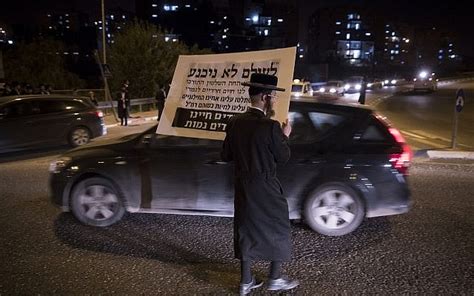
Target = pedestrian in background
(363,89)
(257,144)
(122,107)
(160,100)
(93,98)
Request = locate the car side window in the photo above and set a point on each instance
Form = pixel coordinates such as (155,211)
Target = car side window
(302,130)
(374,133)
(324,123)
(16,110)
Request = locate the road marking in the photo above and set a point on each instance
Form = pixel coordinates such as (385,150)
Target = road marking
(413,135)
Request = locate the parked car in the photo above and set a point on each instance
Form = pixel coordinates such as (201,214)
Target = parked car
(301,88)
(33,121)
(394,81)
(425,81)
(346,164)
(353,84)
(332,88)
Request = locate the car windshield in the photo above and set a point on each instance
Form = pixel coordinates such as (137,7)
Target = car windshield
(296,88)
(332,83)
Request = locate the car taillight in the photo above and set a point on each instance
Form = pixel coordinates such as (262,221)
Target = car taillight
(400,161)
(99,114)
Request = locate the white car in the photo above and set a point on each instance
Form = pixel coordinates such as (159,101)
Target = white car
(301,88)
(353,84)
(425,81)
(332,88)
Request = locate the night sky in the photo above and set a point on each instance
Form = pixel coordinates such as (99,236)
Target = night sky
(455,15)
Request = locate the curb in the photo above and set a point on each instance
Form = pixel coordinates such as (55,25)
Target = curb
(133,121)
(436,154)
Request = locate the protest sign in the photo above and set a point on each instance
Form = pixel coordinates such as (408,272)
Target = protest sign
(206,90)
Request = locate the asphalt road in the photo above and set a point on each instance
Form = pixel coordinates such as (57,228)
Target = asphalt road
(428,251)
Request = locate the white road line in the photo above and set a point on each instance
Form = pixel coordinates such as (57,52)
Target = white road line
(412,135)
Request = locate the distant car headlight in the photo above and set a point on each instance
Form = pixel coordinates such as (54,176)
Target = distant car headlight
(358,86)
(322,89)
(347,86)
(57,165)
(393,82)
(332,90)
(386,82)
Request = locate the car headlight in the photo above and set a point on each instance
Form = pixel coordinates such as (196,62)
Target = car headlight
(57,165)
(322,89)
(347,86)
(393,82)
(386,81)
(358,86)
(332,90)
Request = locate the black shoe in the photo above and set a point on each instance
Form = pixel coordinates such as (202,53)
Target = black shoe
(282,284)
(247,288)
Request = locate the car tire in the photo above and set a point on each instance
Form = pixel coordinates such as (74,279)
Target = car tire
(79,135)
(97,202)
(334,210)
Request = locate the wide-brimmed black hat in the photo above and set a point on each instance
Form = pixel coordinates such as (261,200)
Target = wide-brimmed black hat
(263,81)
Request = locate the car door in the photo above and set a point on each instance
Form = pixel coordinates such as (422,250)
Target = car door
(53,121)
(187,174)
(15,132)
(315,143)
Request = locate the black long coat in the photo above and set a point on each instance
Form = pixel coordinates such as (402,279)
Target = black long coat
(261,220)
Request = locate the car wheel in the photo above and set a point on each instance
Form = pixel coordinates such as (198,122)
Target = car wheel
(97,202)
(79,136)
(334,210)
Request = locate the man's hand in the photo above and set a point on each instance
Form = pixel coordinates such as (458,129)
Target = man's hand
(286,128)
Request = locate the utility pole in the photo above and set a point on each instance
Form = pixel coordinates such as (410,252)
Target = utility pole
(107,95)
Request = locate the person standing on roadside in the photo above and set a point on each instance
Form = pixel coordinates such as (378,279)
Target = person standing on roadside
(363,90)
(257,144)
(122,107)
(160,100)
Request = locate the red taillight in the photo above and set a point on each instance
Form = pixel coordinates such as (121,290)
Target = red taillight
(99,114)
(400,161)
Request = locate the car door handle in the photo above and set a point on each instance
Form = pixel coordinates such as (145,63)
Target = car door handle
(216,162)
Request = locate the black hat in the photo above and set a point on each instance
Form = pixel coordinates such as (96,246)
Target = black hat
(263,81)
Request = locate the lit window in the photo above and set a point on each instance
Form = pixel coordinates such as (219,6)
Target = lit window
(450,44)
(111,16)
(265,32)
(154,5)
(175,39)
(440,57)
(248,19)
(167,39)
(440,51)
(301,56)
(166,7)
(224,36)
(187,6)
(357,26)
(348,36)
(10,41)
(154,15)
(387,32)
(338,23)
(174,7)
(225,17)
(367,34)
(393,33)
(280,20)
(453,56)
(337,33)
(255,18)
(269,22)
(123,16)
(211,22)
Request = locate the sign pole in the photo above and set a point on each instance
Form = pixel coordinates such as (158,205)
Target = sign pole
(457,109)
(455,130)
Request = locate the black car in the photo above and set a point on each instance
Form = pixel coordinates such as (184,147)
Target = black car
(32,121)
(346,164)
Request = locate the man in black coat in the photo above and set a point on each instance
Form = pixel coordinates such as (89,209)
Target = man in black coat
(257,144)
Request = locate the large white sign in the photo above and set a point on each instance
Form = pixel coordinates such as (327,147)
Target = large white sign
(206,90)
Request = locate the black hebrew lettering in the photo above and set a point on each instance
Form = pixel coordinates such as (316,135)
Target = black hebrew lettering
(227,72)
(202,120)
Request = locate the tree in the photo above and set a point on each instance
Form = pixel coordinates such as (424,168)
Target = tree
(141,55)
(40,62)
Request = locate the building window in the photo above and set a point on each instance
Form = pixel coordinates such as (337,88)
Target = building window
(348,36)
